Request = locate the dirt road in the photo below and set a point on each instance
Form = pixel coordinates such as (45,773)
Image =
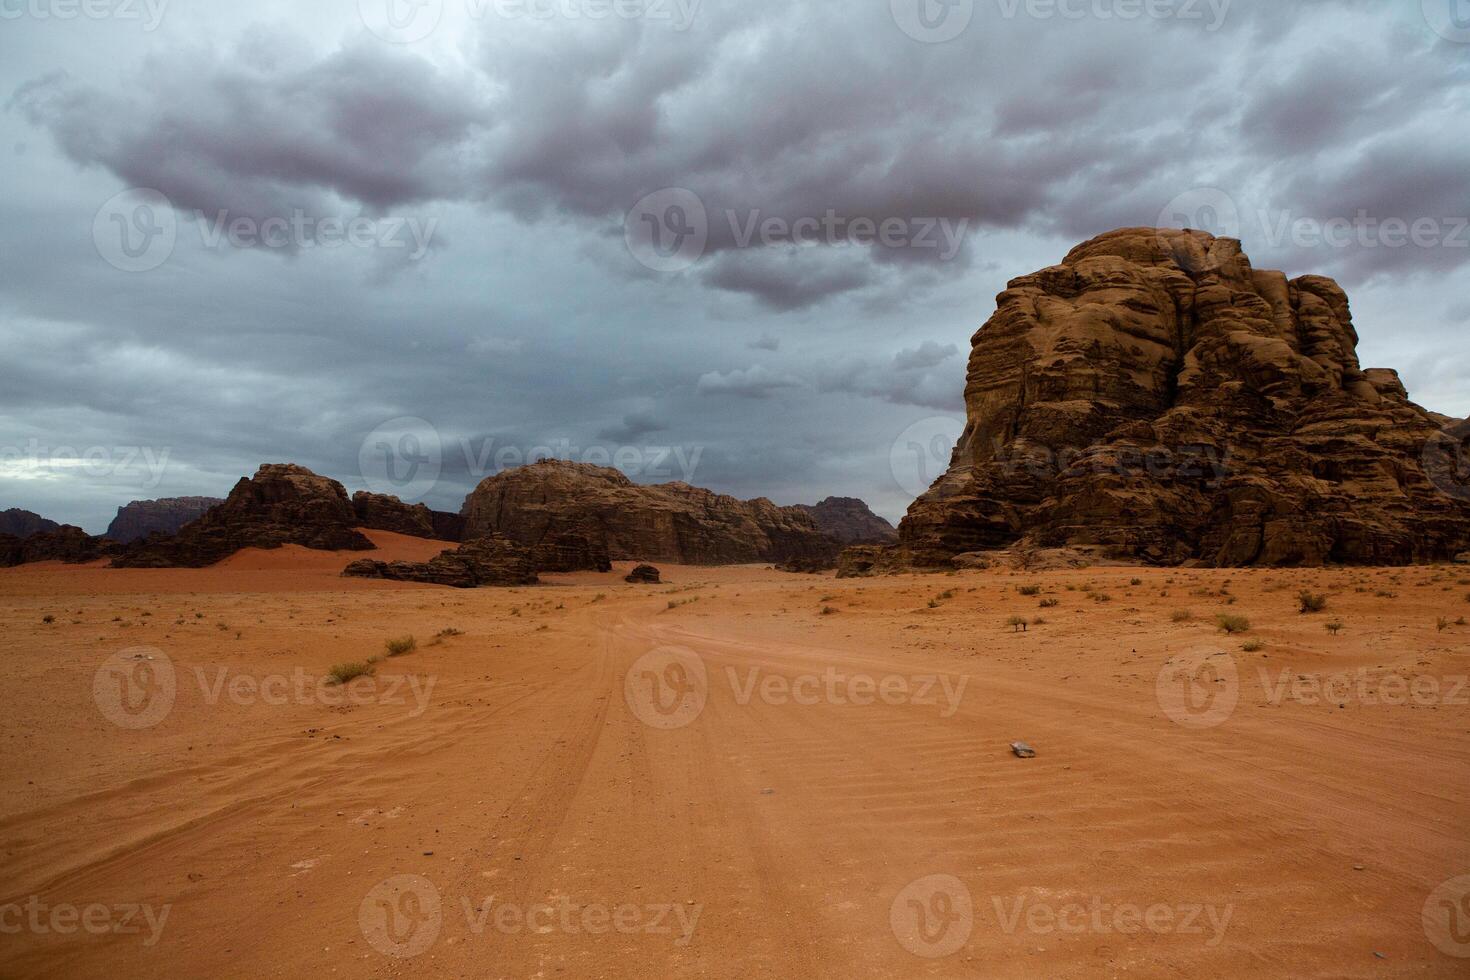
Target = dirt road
(720,779)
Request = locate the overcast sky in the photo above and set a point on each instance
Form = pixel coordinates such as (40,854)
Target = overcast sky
(645,230)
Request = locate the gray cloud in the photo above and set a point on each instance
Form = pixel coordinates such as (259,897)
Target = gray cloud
(528,141)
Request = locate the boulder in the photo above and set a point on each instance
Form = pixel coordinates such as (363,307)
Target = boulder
(643,575)
(575,516)
(486,561)
(141,518)
(282,504)
(1156,398)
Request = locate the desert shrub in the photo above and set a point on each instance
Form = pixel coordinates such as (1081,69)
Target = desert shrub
(1050,603)
(48,619)
(1232,624)
(1135,581)
(1253,646)
(402,645)
(1101,597)
(829,610)
(1443,624)
(1311,602)
(343,673)
(1181,615)
(1334,627)
(1017,624)
(1029,589)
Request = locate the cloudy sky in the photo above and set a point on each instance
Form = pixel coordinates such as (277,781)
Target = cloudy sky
(742,242)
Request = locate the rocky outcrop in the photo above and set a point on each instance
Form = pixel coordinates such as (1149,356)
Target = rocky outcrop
(848,520)
(1156,396)
(577,516)
(141,518)
(66,543)
(643,575)
(486,561)
(380,512)
(384,513)
(282,504)
(22,523)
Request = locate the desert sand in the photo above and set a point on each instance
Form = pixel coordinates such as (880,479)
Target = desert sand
(555,791)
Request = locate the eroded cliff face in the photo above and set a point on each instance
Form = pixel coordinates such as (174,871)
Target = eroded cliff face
(848,520)
(577,516)
(141,518)
(1157,396)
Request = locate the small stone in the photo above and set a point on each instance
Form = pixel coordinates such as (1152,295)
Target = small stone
(1023,751)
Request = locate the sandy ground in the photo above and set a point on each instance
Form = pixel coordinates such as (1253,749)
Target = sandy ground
(740,773)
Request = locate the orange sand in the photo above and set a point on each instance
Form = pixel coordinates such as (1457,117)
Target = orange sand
(781,834)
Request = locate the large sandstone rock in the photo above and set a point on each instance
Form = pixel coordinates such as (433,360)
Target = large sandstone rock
(384,513)
(381,512)
(1156,396)
(577,516)
(282,504)
(485,561)
(141,518)
(848,520)
(66,543)
(22,523)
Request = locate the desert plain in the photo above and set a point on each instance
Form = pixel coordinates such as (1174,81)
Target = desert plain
(737,773)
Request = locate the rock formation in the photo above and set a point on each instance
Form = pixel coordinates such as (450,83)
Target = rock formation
(282,504)
(643,575)
(22,523)
(848,520)
(492,560)
(577,516)
(383,513)
(1158,397)
(141,518)
(66,543)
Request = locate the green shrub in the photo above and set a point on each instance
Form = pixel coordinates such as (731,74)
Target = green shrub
(401,646)
(1017,624)
(1311,602)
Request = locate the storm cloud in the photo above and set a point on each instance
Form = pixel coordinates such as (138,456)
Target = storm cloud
(363,230)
